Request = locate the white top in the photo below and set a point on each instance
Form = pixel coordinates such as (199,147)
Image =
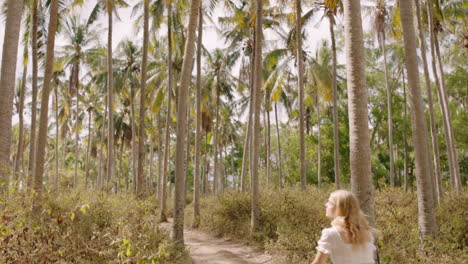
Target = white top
(340,252)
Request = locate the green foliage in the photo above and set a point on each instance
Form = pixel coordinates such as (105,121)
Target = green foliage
(291,222)
(79,226)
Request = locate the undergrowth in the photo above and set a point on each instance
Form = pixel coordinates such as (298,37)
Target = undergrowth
(291,222)
(79,226)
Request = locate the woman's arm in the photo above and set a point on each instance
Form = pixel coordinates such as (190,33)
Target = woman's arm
(320,258)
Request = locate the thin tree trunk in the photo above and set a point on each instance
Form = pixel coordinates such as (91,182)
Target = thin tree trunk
(7,85)
(335,106)
(187,152)
(435,144)
(440,83)
(141,130)
(389,112)
(19,151)
(359,140)
(280,167)
(300,82)
(110,98)
(179,203)
(405,140)
(56,139)
(448,121)
(247,144)
(134,142)
(32,137)
(196,180)
(268,145)
(151,160)
(216,180)
(207,166)
(427,222)
(77,115)
(42,136)
(160,157)
(319,144)
(163,199)
(101,151)
(88,149)
(255,209)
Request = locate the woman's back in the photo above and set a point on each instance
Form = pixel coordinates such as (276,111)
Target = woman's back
(332,243)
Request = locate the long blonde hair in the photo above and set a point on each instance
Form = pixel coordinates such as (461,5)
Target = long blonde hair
(350,218)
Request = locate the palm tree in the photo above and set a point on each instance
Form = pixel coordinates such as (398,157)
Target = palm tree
(255,210)
(197,178)
(7,84)
(42,135)
(141,131)
(179,203)
(426,219)
(435,26)
(79,36)
(300,82)
(436,179)
(360,156)
(331,8)
(19,153)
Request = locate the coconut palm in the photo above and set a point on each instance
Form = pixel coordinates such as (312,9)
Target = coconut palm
(7,84)
(427,222)
(42,134)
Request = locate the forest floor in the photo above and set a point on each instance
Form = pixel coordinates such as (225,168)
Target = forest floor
(207,249)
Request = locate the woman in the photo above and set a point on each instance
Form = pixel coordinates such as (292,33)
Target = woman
(350,239)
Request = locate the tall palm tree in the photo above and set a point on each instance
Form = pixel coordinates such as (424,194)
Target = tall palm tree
(42,135)
(78,36)
(300,82)
(331,8)
(436,179)
(255,210)
(197,178)
(7,84)
(141,131)
(435,26)
(179,203)
(426,219)
(359,140)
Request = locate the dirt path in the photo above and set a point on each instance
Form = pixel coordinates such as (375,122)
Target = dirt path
(207,249)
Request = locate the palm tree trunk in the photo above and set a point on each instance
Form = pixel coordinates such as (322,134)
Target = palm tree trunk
(163,199)
(141,130)
(187,153)
(75,68)
(300,82)
(151,159)
(255,209)
(56,139)
(32,137)
(436,179)
(389,111)
(216,176)
(19,152)
(134,143)
(179,203)
(427,222)
(42,136)
(160,157)
(196,180)
(359,140)
(110,98)
(88,149)
(268,145)
(207,166)
(319,144)
(435,54)
(7,85)
(335,106)
(100,180)
(280,166)
(247,144)
(405,140)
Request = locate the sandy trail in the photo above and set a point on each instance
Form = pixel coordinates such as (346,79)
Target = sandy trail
(207,249)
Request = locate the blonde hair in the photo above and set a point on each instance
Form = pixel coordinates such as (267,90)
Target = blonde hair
(350,218)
